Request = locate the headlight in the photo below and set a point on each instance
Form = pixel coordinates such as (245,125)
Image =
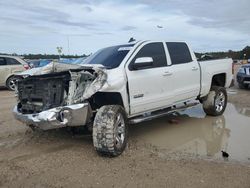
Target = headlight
(242,71)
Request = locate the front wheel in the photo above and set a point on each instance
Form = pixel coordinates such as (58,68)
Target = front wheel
(110,130)
(216,101)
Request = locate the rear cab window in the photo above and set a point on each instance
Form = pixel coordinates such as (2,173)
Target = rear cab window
(179,52)
(154,50)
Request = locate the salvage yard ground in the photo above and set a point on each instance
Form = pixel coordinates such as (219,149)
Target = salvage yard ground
(182,150)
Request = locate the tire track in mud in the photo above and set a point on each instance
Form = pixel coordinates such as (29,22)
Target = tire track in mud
(29,145)
(41,152)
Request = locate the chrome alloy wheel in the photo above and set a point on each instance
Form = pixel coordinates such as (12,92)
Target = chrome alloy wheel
(220,101)
(119,131)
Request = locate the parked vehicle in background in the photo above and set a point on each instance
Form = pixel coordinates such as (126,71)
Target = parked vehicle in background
(80,60)
(9,66)
(72,61)
(67,60)
(119,85)
(44,62)
(40,70)
(243,76)
(39,63)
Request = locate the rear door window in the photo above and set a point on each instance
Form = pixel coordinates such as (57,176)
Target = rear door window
(156,51)
(2,61)
(11,61)
(179,52)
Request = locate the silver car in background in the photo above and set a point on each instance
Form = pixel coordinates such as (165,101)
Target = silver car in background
(9,66)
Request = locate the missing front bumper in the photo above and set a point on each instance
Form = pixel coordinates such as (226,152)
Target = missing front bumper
(72,115)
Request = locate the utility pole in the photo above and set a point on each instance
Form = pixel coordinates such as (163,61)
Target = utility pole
(59,50)
(68,43)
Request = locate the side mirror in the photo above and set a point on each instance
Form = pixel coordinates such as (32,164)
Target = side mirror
(143,62)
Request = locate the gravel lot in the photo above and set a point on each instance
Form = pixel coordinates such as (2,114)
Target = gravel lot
(175,151)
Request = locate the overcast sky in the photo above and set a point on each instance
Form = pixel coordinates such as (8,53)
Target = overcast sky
(38,26)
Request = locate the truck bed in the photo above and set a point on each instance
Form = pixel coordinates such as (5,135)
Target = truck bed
(213,67)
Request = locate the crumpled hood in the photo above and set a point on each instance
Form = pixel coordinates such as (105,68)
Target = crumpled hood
(57,67)
(85,80)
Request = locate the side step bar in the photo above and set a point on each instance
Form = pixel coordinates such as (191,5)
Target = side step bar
(160,113)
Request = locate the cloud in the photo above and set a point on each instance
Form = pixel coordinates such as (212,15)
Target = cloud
(14,20)
(228,14)
(103,33)
(81,1)
(71,23)
(38,26)
(128,28)
(88,9)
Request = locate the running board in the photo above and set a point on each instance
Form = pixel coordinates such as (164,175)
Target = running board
(161,113)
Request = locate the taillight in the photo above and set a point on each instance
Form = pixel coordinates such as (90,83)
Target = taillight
(26,66)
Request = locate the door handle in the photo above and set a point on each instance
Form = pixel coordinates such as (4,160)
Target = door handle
(167,73)
(194,68)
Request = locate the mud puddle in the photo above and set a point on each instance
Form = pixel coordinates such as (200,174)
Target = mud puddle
(192,132)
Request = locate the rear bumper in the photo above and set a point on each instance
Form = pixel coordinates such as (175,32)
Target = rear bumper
(72,115)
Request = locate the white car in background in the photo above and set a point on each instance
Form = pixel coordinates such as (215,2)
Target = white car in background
(9,66)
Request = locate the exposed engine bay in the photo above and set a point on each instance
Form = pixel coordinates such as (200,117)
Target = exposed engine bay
(59,86)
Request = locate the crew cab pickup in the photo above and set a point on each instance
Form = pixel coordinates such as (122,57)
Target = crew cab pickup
(121,85)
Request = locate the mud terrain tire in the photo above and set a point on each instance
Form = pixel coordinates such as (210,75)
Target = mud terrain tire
(216,101)
(110,130)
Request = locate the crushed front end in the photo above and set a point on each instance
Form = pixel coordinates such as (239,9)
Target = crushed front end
(57,99)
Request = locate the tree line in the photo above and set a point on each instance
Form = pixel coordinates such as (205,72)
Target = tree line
(242,54)
(45,56)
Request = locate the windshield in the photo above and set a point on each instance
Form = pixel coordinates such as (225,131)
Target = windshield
(110,57)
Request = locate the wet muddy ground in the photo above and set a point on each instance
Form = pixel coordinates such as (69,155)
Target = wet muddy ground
(181,150)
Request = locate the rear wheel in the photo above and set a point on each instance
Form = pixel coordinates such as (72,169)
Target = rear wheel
(11,82)
(216,101)
(110,130)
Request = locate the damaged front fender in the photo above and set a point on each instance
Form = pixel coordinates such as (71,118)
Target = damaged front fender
(84,84)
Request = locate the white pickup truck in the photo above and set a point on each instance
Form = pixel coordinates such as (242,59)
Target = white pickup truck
(122,85)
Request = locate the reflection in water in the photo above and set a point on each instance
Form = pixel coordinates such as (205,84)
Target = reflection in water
(245,111)
(232,91)
(196,133)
